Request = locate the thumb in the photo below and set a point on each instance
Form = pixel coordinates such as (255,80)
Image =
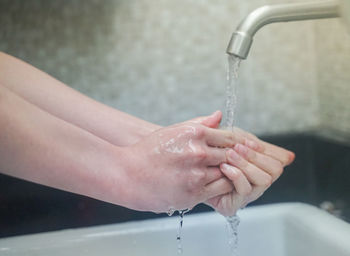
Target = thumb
(212,121)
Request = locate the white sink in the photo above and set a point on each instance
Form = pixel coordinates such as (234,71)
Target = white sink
(290,229)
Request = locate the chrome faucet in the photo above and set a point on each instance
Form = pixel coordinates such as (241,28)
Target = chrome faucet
(242,38)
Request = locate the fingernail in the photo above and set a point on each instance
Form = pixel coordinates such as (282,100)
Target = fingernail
(233,155)
(229,168)
(224,166)
(291,156)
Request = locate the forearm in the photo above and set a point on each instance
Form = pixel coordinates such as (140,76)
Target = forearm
(68,104)
(39,147)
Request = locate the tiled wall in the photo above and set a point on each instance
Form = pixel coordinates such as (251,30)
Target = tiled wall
(333,64)
(164,60)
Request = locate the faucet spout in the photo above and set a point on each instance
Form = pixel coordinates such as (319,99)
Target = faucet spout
(242,38)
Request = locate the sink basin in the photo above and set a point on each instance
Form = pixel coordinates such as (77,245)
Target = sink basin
(289,229)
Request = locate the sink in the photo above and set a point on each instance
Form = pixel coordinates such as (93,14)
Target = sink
(288,229)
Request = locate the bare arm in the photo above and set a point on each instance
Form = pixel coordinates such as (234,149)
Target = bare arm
(39,147)
(68,104)
(169,168)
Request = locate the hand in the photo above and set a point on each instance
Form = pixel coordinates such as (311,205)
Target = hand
(178,166)
(252,173)
(252,167)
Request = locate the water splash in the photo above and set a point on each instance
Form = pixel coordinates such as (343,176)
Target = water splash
(232,228)
(171,211)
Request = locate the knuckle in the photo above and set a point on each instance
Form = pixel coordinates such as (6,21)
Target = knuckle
(230,138)
(248,191)
(250,154)
(279,170)
(200,131)
(249,135)
(201,154)
(266,182)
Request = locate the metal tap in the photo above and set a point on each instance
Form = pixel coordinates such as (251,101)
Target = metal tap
(242,38)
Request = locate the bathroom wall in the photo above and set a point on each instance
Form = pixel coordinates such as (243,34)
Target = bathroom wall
(164,60)
(333,64)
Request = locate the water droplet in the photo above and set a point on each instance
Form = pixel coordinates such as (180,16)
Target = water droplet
(171,211)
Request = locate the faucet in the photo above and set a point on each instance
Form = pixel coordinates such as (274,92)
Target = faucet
(242,38)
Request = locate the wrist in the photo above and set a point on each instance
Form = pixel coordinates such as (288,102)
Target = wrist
(119,185)
(145,130)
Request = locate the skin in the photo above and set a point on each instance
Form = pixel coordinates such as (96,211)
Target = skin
(53,135)
(252,166)
(61,101)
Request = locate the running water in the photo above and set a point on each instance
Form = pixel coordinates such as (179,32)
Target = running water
(232,227)
(179,231)
(231,102)
(231,87)
(178,237)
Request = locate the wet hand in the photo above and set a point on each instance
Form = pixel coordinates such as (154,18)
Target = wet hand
(252,166)
(179,166)
(251,172)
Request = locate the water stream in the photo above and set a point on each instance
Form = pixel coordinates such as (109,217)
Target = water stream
(231,90)
(178,237)
(179,231)
(231,102)
(232,228)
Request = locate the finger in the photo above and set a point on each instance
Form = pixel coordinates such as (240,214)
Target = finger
(218,187)
(255,145)
(240,182)
(255,194)
(214,201)
(286,157)
(245,134)
(212,121)
(228,204)
(250,140)
(254,174)
(222,138)
(215,156)
(213,174)
(264,162)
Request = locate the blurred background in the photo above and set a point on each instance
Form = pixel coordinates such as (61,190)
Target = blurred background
(164,61)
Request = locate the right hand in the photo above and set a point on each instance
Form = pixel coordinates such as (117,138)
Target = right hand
(178,167)
(252,166)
